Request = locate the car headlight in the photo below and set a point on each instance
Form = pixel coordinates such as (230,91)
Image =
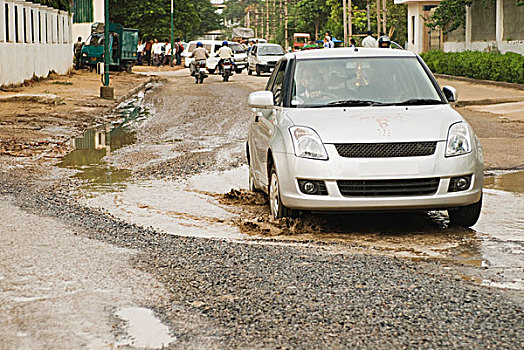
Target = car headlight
(263,63)
(307,143)
(459,140)
(84,54)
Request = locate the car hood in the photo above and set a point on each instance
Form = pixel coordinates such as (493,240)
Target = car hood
(377,124)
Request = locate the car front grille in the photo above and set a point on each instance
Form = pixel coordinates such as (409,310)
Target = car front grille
(379,188)
(386,150)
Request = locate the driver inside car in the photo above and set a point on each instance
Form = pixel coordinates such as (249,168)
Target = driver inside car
(309,86)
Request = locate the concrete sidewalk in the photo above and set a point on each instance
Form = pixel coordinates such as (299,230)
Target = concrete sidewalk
(481,97)
(470,93)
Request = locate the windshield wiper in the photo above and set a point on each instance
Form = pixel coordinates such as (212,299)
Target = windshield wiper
(419,101)
(350,103)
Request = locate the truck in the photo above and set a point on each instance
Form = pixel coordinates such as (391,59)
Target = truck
(300,40)
(122,47)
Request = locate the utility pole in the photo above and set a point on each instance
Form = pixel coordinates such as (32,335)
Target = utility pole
(172,32)
(286,19)
(350,20)
(378,17)
(106,91)
(345,20)
(384,10)
(267,20)
(367,15)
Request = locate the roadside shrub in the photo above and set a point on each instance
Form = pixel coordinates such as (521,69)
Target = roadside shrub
(507,67)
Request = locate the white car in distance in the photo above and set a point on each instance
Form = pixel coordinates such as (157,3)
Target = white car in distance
(362,130)
(262,58)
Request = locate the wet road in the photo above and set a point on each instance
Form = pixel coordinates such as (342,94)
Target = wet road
(173,167)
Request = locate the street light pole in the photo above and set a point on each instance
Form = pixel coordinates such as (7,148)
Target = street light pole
(106,91)
(172,33)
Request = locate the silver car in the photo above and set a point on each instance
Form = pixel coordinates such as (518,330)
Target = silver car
(362,130)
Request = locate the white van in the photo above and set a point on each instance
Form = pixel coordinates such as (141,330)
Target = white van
(212,46)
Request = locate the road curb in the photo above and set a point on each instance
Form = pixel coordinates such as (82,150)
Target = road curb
(132,92)
(487,101)
(482,82)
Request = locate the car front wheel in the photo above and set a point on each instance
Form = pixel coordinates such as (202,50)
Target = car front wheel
(276,208)
(465,216)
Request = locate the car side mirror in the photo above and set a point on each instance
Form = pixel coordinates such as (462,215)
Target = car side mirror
(451,93)
(261,99)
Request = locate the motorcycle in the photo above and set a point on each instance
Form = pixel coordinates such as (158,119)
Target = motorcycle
(200,73)
(227,69)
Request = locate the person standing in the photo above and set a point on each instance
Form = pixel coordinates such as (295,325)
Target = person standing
(147,49)
(157,52)
(168,54)
(369,41)
(179,48)
(77,51)
(139,52)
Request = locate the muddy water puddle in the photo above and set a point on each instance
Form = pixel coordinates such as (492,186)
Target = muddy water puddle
(491,253)
(95,144)
(143,330)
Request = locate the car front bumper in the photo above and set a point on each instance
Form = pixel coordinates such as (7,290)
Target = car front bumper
(291,168)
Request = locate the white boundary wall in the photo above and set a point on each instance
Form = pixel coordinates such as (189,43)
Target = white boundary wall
(34,40)
(416,27)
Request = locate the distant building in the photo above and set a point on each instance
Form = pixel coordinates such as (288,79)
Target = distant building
(85,13)
(34,40)
(489,25)
(219,4)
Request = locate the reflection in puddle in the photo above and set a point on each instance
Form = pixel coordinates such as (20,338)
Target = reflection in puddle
(144,330)
(97,143)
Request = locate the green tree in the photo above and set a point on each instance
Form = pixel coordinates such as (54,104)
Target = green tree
(449,15)
(153,17)
(57,4)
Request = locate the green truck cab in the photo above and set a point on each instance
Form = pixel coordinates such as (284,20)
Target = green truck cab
(122,47)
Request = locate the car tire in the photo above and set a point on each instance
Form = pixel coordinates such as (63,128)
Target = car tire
(211,71)
(249,71)
(276,208)
(259,71)
(465,216)
(238,71)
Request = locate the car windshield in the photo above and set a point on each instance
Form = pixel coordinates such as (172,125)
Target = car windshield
(237,48)
(271,51)
(366,81)
(95,40)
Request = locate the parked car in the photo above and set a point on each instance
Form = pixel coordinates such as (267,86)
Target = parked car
(212,46)
(262,58)
(362,130)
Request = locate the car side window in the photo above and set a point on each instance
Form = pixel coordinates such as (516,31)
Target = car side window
(279,82)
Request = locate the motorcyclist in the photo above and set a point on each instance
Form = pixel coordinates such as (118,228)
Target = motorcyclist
(225,52)
(199,54)
(384,42)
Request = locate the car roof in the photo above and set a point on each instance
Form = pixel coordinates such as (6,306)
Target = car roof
(349,52)
(266,44)
(207,41)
